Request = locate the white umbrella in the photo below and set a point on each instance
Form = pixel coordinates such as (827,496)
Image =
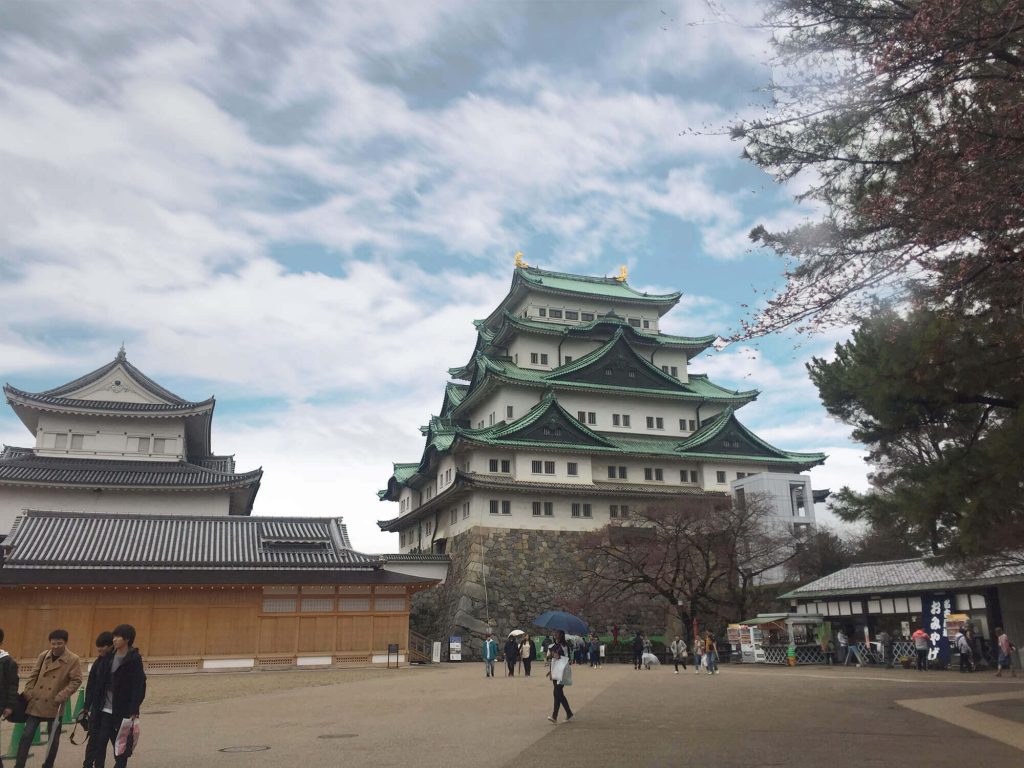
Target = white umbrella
(516,633)
(649,659)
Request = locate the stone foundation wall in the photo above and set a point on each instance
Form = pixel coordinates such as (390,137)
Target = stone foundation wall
(501,579)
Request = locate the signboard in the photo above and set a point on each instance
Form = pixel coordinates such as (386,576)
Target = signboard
(454,648)
(435,652)
(936,609)
(955,622)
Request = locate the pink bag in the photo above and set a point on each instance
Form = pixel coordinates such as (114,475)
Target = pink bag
(127,737)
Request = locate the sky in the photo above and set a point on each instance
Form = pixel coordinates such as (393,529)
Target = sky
(300,208)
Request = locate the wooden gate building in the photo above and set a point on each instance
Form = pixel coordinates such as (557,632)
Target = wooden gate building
(217,592)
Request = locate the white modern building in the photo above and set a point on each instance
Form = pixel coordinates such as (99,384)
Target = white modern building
(114,441)
(575,410)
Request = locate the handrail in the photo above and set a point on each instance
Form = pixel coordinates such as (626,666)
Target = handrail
(420,648)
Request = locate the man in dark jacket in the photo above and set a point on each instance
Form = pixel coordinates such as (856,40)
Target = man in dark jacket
(511,655)
(121,682)
(94,701)
(8,686)
(638,649)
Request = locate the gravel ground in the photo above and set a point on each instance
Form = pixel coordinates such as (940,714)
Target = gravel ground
(163,690)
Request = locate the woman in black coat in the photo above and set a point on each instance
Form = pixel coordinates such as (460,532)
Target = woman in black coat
(121,689)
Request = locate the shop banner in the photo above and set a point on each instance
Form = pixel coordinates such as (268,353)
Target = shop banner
(935,610)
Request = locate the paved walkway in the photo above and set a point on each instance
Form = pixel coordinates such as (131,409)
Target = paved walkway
(450,715)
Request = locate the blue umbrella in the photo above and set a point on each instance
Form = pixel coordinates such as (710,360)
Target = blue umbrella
(563,621)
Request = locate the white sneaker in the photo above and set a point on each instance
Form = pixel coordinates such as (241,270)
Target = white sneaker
(677,671)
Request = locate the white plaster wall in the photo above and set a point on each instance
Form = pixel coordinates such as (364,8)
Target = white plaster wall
(638,410)
(670,357)
(776,487)
(577,348)
(597,307)
(525,344)
(107,437)
(15,500)
(117,386)
(523,468)
(444,466)
(521,400)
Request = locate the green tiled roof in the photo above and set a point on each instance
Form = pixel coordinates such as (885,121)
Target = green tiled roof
(706,438)
(695,343)
(608,287)
(403,472)
(697,388)
(519,432)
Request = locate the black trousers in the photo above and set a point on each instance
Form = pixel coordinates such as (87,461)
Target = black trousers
(95,745)
(511,664)
(107,734)
(560,701)
(638,657)
(526,665)
(922,658)
(31,726)
(965,662)
(680,660)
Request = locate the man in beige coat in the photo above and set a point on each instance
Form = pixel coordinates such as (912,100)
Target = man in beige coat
(56,675)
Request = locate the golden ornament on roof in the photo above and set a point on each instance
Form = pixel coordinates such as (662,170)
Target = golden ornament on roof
(623,274)
(520,264)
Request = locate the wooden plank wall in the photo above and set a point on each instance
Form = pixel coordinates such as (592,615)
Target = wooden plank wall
(183,622)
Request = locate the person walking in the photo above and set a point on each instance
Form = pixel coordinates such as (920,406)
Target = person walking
(710,653)
(490,653)
(885,643)
(1006,649)
(56,675)
(8,686)
(698,652)
(844,647)
(511,656)
(920,638)
(595,650)
(93,706)
(561,675)
(638,649)
(526,652)
(678,649)
(963,647)
(122,680)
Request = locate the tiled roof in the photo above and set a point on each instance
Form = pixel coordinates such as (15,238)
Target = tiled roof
(64,403)
(904,575)
(143,380)
(28,468)
(607,287)
(612,490)
(697,388)
(70,540)
(693,343)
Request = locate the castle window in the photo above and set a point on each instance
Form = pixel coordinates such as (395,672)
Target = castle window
(492,465)
(634,322)
(506,465)
(508,411)
(624,510)
(607,371)
(536,509)
(465,510)
(693,425)
(534,357)
(613,510)
(615,419)
(572,314)
(674,370)
(625,419)
(576,510)
(581,416)
(693,475)
(536,467)
(631,373)
(543,358)
(659,476)
(549,467)
(77,442)
(587,511)
(549,509)
(648,473)
(611,473)
(542,312)
(506,507)
(555,313)
(647,323)
(568,359)
(138,445)
(720,477)
(572,468)
(494,507)
(586,316)
(622,473)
